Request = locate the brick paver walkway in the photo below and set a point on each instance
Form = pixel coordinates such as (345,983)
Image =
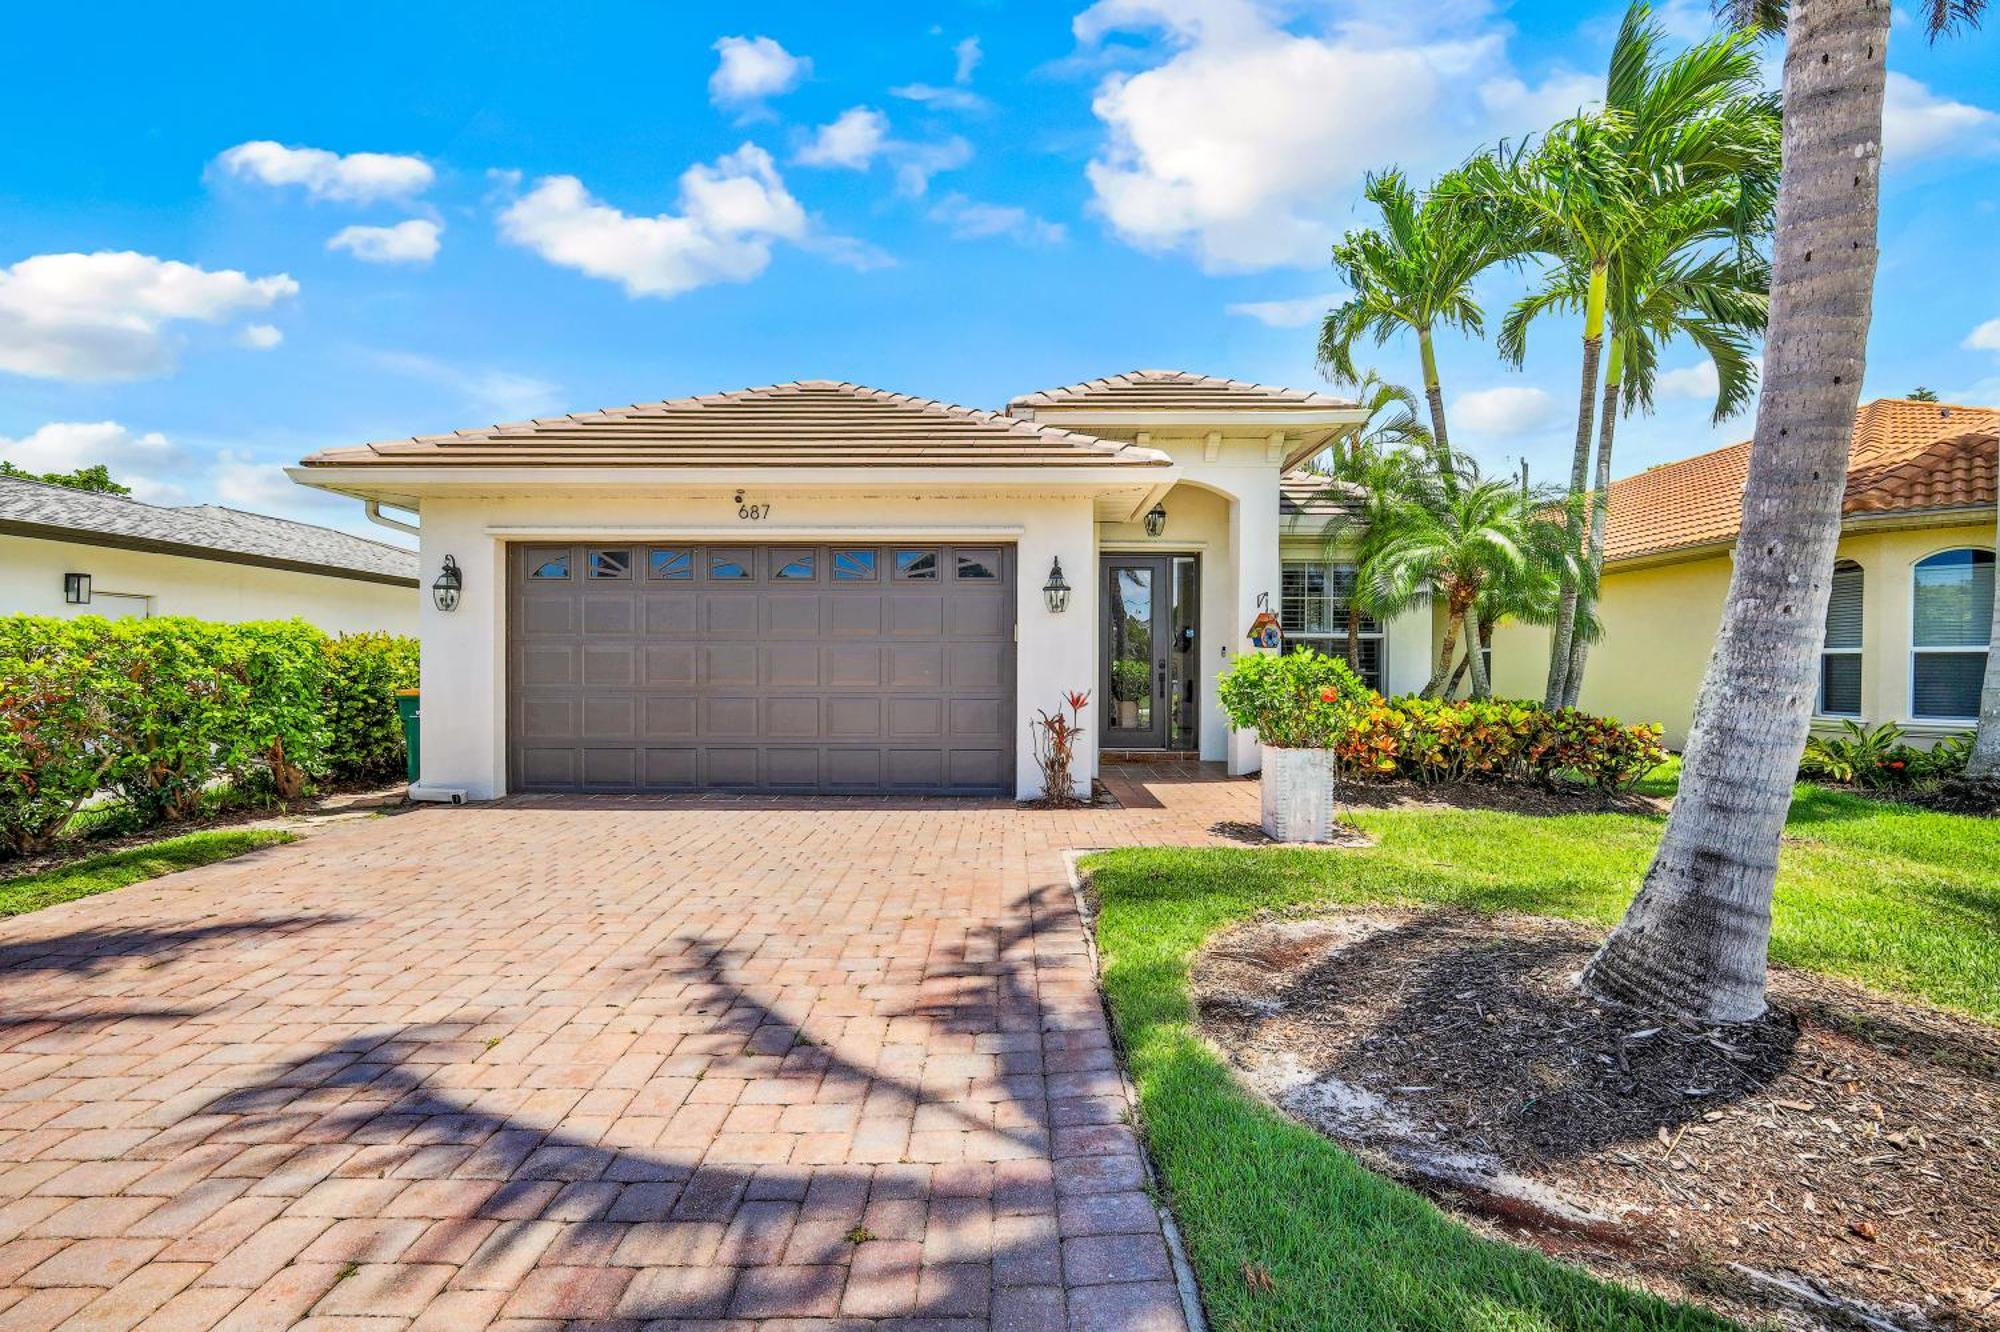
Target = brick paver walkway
(607,1064)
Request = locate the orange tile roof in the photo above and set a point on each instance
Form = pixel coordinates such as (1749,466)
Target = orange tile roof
(806,423)
(1906,456)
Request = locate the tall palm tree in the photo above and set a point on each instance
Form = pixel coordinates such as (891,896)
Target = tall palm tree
(1695,275)
(1451,541)
(1413,273)
(1696,939)
(1670,131)
(1375,468)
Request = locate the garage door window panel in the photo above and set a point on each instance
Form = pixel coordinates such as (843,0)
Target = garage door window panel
(610,564)
(670,563)
(917,566)
(854,566)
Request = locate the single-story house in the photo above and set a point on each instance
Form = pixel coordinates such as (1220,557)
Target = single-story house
(821,587)
(1909,625)
(74,552)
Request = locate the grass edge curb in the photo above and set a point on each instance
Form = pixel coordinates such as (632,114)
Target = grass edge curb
(1170,1231)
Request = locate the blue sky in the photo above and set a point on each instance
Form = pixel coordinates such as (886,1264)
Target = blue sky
(227,242)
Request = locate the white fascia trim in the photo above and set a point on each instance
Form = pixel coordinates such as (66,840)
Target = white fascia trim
(765,533)
(364,482)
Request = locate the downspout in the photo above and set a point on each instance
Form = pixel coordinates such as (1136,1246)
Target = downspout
(373,508)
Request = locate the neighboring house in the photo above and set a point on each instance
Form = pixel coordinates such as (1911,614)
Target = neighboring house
(1909,624)
(76,552)
(817,586)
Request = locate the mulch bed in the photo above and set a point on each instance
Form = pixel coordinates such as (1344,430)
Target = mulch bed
(1834,1164)
(1505,797)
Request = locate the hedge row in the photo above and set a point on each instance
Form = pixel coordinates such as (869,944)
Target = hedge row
(157,711)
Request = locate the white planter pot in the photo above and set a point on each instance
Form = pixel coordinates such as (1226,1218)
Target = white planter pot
(1128,714)
(1298,790)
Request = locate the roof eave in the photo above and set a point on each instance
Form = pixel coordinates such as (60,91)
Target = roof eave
(78,536)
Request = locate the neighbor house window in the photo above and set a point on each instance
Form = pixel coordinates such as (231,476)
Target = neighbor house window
(1951,631)
(1840,660)
(1313,611)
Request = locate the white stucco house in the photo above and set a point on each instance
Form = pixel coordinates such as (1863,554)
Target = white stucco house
(821,587)
(69,552)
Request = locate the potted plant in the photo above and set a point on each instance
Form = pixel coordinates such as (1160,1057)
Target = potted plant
(1302,705)
(1129,683)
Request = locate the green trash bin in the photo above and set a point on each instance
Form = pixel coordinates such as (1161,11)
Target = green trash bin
(406,708)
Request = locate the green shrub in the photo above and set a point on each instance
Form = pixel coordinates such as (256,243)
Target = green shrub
(56,700)
(1130,680)
(1876,758)
(159,710)
(1449,741)
(1300,700)
(364,671)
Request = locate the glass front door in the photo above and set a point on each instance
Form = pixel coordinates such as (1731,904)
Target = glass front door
(1149,655)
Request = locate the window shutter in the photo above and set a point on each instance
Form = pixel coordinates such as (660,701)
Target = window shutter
(1843,610)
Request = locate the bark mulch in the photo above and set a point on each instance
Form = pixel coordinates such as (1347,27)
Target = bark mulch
(1834,1164)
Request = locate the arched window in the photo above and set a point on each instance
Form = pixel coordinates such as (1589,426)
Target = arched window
(1840,660)
(1951,628)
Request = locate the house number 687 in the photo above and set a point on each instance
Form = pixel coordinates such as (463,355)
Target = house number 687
(753,513)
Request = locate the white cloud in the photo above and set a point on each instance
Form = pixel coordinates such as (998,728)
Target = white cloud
(970,219)
(502,395)
(1917,123)
(140,461)
(916,163)
(730,214)
(752,69)
(1518,110)
(1244,141)
(1984,338)
(353,178)
(945,99)
(412,242)
(1287,314)
(104,315)
(1507,410)
(851,140)
(260,337)
(1694,381)
(967,55)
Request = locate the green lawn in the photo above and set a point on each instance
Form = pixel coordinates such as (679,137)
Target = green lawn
(1895,897)
(115,869)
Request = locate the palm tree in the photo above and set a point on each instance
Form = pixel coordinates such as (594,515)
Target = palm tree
(1451,541)
(1696,939)
(1412,274)
(1692,275)
(1984,763)
(1375,469)
(1670,132)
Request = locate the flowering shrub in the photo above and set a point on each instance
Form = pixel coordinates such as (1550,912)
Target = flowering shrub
(1301,700)
(1878,759)
(157,710)
(1447,741)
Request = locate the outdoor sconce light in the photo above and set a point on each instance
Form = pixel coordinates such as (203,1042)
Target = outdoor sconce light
(446,589)
(76,589)
(1056,590)
(1156,520)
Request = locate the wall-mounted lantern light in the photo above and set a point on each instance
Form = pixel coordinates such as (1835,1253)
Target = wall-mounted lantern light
(448,585)
(76,589)
(1156,520)
(1056,590)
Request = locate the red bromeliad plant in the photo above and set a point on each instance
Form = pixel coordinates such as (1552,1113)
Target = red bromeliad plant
(1055,747)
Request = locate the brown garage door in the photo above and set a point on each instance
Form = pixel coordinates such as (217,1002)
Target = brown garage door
(826,668)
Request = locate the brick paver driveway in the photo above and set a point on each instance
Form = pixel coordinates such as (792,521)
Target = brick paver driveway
(564,1063)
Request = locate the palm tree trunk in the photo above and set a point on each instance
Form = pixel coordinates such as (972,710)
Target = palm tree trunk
(1446,649)
(1579,476)
(1481,687)
(1696,939)
(1434,398)
(1353,635)
(1984,765)
(1600,512)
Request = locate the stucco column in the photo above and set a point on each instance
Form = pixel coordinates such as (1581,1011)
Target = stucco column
(464,656)
(1055,652)
(1253,553)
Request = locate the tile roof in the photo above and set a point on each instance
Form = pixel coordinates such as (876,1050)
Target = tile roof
(806,423)
(1304,494)
(1174,390)
(198,531)
(1906,456)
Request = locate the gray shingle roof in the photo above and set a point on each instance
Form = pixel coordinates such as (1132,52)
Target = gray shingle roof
(199,531)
